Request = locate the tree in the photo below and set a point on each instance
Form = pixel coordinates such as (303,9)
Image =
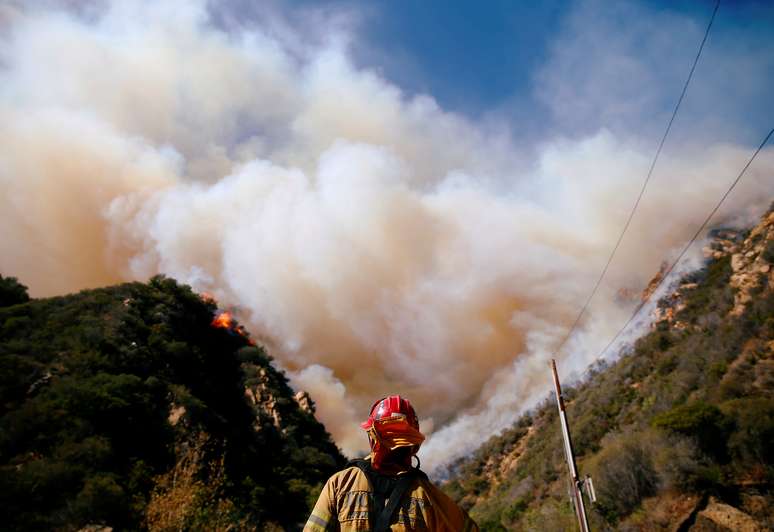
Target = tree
(12,292)
(702,421)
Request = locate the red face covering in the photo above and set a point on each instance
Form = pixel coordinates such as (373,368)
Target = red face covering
(392,433)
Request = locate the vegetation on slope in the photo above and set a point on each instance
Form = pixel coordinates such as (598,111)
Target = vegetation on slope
(686,417)
(124,407)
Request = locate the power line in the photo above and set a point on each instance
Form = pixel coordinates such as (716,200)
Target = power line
(644,185)
(687,246)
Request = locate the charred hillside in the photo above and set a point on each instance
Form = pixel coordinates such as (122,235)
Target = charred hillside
(128,407)
(677,433)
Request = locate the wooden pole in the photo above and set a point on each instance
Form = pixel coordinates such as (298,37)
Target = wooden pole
(577,495)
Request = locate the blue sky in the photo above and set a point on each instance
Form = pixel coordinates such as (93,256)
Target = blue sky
(491,60)
(469,58)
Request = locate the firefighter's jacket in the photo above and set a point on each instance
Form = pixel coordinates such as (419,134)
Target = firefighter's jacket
(347,499)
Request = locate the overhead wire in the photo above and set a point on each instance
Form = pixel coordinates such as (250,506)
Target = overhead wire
(644,185)
(686,248)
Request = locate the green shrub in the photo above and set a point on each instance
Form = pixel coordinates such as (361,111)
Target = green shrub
(491,526)
(624,475)
(552,514)
(703,422)
(753,436)
(12,292)
(102,500)
(515,510)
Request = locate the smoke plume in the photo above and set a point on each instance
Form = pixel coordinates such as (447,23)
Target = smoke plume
(379,243)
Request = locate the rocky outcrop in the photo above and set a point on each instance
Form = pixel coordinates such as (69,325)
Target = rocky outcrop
(670,511)
(669,306)
(723,242)
(751,263)
(264,401)
(305,402)
(176,413)
(720,517)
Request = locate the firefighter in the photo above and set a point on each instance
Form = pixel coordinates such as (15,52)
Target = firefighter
(385,492)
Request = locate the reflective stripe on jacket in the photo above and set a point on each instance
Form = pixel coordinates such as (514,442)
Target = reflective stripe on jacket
(347,498)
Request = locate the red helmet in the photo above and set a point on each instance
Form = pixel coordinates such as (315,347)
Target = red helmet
(393,407)
(392,424)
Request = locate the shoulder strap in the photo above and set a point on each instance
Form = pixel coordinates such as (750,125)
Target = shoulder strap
(401,487)
(364,466)
(403,484)
(359,463)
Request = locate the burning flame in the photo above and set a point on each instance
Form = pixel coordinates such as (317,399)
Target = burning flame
(225,320)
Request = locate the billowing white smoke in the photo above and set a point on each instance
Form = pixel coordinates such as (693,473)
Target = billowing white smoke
(378,243)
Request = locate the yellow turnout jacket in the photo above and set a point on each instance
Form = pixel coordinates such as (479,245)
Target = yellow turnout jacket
(346,502)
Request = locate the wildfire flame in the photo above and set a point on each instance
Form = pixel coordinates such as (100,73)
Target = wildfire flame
(225,320)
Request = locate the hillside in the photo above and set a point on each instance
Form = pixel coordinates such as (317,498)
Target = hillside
(140,406)
(677,433)
(130,407)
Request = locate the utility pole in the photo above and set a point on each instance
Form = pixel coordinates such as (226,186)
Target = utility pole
(577,494)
